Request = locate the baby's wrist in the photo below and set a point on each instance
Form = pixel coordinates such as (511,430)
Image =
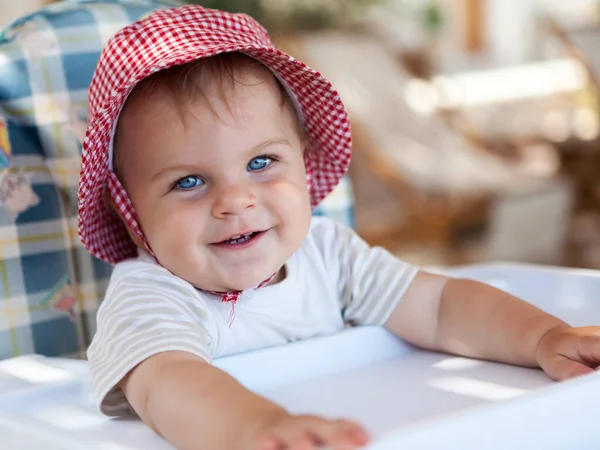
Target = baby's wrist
(260,422)
(545,338)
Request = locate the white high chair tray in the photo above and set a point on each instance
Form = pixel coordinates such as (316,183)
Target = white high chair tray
(406,398)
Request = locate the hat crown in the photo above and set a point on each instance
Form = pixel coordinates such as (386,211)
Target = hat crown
(149,45)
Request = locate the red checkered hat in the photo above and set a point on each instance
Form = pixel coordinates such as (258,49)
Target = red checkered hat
(175,36)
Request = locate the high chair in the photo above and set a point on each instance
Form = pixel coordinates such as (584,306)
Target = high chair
(50,286)
(405,398)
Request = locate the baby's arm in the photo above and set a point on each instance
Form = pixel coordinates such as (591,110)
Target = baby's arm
(456,316)
(471,319)
(197,406)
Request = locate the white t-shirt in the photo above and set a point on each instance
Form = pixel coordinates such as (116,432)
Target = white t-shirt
(334,277)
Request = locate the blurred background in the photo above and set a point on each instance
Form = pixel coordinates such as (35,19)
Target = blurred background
(475,122)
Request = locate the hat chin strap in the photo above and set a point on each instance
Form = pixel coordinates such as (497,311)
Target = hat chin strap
(233,296)
(226,297)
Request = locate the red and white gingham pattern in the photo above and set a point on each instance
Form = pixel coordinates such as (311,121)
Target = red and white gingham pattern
(175,36)
(233,297)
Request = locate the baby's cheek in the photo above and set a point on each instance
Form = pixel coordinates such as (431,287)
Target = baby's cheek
(290,190)
(294,204)
(175,248)
(164,229)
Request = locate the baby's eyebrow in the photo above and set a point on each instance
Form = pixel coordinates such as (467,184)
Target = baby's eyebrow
(269,143)
(191,168)
(177,168)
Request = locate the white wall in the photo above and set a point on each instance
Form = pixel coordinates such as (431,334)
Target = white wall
(13,9)
(510,26)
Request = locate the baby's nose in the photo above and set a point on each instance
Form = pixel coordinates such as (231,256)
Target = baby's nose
(233,200)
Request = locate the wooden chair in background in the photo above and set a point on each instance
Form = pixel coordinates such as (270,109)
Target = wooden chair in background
(437,182)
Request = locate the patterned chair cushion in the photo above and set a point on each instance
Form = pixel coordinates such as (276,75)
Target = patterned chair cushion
(50,287)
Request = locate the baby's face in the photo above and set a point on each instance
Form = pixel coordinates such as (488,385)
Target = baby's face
(220,195)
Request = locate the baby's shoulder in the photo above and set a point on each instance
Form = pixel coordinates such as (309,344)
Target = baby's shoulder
(143,272)
(142,266)
(326,243)
(324,229)
(141,285)
(326,234)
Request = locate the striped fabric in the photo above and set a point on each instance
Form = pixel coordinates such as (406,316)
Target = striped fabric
(334,278)
(50,287)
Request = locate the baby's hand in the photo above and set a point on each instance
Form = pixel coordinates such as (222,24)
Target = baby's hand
(287,432)
(566,352)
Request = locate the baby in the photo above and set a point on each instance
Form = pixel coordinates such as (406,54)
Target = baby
(205,152)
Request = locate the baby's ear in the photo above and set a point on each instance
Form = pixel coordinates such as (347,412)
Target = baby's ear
(134,237)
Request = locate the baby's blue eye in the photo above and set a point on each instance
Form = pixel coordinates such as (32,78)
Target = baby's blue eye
(189,182)
(259,163)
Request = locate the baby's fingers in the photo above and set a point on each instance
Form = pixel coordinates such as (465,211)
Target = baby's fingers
(561,368)
(313,433)
(589,348)
(340,435)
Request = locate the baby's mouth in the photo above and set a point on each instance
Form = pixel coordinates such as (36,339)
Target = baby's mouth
(240,239)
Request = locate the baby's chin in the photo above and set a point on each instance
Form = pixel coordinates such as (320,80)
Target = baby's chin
(240,283)
(227,278)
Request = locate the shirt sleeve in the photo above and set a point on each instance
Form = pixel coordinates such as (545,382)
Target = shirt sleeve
(370,280)
(145,312)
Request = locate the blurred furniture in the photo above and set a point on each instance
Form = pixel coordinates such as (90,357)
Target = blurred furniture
(440,183)
(12,10)
(580,155)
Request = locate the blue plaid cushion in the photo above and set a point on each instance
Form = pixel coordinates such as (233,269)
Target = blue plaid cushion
(50,287)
